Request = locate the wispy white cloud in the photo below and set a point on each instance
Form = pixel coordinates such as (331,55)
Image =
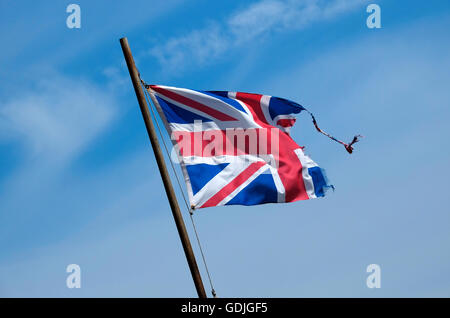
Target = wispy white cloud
(259,19)
(55,122)
(58,118)
(198,46)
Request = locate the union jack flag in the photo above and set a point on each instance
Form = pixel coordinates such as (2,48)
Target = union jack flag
(235,148)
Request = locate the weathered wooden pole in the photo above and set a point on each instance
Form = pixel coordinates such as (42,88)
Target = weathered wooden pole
(163,170)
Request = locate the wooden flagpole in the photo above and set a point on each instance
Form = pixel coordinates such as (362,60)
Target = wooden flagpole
(163,170)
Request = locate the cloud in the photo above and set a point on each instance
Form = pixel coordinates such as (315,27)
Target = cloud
(52,191)
(53,122)
(200,45)
(257,20)
(57,119)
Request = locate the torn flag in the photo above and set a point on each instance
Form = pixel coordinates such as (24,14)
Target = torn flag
(235,148)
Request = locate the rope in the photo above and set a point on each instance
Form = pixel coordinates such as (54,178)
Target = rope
(153,113)
(213,292)
(348,147)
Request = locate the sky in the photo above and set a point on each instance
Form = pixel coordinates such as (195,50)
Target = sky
(79,183)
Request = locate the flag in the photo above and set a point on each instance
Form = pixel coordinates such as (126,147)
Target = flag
(236,148)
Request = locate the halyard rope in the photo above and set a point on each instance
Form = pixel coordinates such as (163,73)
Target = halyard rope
(153,113)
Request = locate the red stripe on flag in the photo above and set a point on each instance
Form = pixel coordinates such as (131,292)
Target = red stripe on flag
(289,166)
(234,184)
(285,122)
(212,143)
(192,103)
(253,100)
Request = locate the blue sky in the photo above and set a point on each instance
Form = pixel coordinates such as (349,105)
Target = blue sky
(79,183)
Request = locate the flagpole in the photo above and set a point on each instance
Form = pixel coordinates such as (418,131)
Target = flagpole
(163,170)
